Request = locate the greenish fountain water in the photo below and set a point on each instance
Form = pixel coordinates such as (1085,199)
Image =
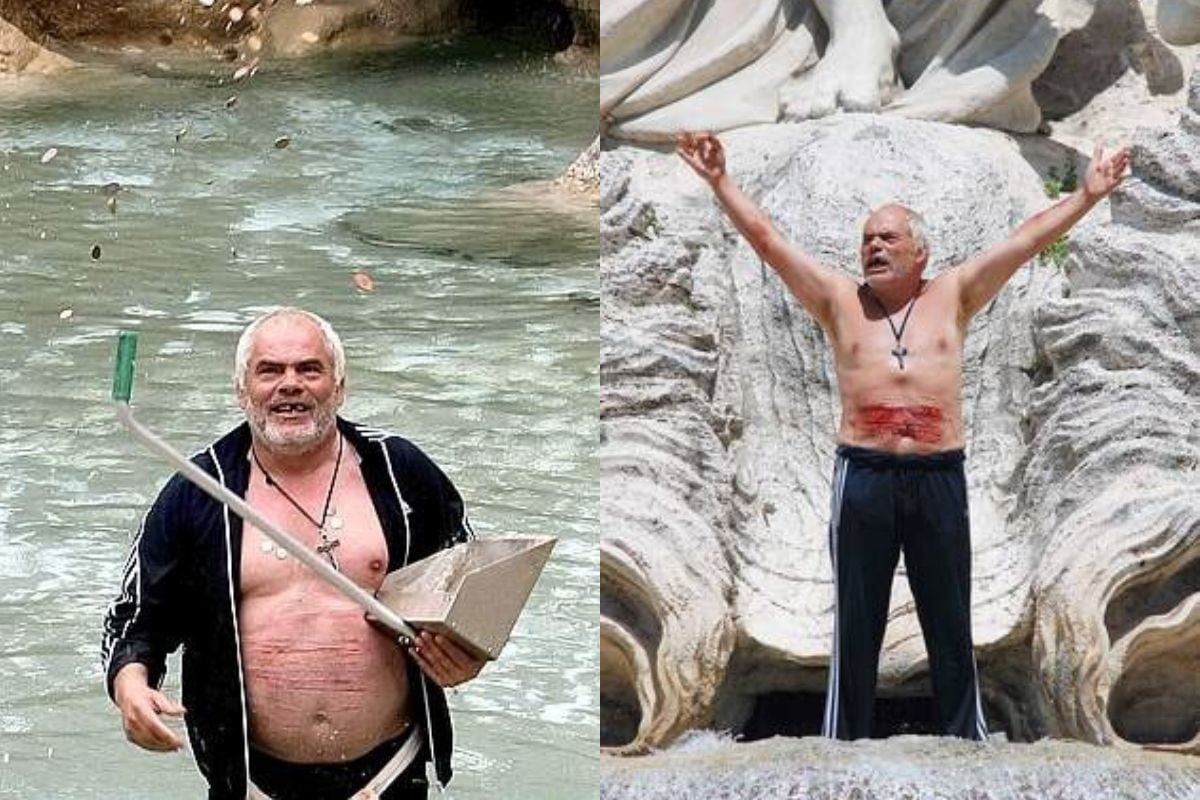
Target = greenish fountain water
(479,343)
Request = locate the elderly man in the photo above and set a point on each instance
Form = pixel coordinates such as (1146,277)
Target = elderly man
(898,481)
(290,692)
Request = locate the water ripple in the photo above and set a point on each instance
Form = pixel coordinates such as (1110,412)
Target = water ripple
(479,343)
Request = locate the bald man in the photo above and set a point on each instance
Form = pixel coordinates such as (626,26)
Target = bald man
(898,481)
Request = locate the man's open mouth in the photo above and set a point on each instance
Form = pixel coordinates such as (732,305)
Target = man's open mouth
(288,409)
(876,263)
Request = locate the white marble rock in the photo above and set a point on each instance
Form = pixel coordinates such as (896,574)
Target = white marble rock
(672,65)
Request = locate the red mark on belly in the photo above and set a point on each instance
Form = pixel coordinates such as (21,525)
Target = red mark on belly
(921,423)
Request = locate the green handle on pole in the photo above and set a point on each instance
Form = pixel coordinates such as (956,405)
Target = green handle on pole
(123,372)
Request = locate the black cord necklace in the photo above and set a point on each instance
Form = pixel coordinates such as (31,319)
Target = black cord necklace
(329,516)
(899,351)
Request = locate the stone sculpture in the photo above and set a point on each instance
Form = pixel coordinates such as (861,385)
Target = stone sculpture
(1179,21)
(1081,405)
(669,65)
(1118,585)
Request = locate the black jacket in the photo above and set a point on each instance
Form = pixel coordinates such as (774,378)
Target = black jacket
(181,586)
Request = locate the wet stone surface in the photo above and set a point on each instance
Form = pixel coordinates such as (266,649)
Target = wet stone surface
(900,768)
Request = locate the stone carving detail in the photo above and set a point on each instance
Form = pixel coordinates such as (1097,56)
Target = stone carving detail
(1116,429)
(718,410)
(1179,21)
(720,64)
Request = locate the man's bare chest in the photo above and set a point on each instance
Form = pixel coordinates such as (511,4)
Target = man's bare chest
(351,539)
(924,335)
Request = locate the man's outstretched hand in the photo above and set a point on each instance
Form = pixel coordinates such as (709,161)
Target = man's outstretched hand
(702,152)
(1105,174)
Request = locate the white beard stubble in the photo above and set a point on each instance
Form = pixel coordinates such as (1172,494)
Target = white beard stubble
(290,441)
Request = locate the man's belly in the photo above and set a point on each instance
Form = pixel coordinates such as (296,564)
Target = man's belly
(902,427)
(322,685)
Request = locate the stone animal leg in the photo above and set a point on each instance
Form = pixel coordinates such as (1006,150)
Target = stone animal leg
(858,69)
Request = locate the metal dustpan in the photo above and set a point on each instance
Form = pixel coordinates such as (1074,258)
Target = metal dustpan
(473,591)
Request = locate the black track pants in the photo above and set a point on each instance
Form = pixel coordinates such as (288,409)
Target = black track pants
(881,503)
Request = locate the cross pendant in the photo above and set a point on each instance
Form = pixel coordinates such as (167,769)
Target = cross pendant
(326,547)
(900,351)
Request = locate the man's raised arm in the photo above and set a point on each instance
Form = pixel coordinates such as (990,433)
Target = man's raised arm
(982,277)
(813,284)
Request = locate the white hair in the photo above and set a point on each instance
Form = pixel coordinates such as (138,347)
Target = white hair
(916,227)
(916,224)
(333,344)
